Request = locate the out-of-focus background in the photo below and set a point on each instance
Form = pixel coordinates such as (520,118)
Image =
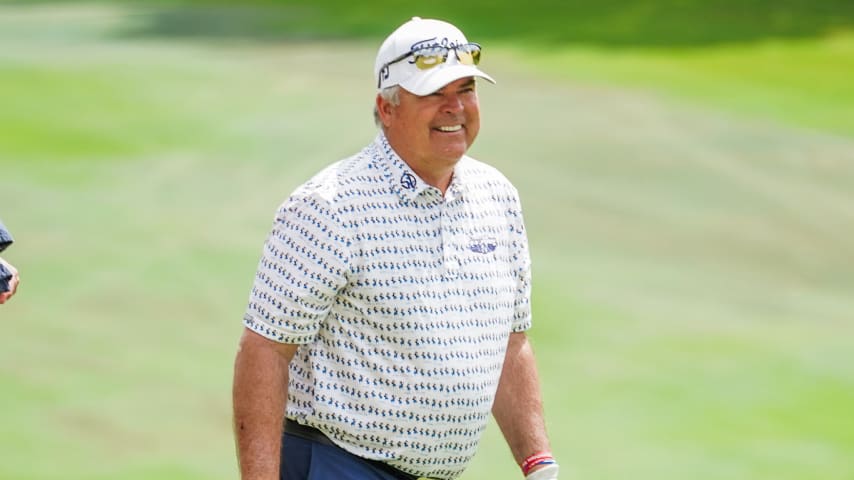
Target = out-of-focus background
(687,169)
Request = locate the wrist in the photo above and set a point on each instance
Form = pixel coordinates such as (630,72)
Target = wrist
(540,466)
(536,461)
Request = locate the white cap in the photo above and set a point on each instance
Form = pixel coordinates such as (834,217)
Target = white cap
(418,33)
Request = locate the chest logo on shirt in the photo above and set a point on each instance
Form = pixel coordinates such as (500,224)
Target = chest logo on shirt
(408,181)
(483,245)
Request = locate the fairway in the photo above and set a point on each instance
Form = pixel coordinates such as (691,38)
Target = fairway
(693,262)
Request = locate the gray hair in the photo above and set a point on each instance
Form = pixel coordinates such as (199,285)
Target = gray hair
(390,94)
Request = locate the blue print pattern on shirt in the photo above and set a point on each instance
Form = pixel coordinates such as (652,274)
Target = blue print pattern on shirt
(403,301)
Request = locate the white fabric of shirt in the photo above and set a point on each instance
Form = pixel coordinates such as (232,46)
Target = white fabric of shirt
(402,300)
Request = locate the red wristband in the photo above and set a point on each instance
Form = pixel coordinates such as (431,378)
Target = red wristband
(532,461)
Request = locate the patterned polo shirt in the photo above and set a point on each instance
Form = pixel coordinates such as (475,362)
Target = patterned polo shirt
(402,300)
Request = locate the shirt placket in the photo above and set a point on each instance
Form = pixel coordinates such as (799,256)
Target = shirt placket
(450,255)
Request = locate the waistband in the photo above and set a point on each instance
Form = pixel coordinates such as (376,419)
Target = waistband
(314,435)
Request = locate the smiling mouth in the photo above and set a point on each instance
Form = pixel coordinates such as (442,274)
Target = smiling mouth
(450,128)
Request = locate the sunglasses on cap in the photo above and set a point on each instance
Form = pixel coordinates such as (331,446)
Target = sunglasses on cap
(425,58)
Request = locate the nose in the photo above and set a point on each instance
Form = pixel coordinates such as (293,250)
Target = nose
(453,103)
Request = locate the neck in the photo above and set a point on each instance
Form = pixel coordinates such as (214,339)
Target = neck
(436,172)
(440,180)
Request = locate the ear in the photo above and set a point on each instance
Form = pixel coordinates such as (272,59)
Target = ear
(385,110)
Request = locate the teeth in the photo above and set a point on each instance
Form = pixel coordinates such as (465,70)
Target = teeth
(451,128)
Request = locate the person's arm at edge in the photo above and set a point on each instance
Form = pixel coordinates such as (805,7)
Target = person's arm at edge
(518,407)
(13,283)
(259,396)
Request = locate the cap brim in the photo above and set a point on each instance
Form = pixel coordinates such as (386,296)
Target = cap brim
(434,79)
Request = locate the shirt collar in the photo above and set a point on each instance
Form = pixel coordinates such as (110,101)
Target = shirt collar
(406,183)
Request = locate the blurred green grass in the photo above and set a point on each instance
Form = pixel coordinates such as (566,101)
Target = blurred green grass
(806,82)
(787,61)
(535,22)
(693,269)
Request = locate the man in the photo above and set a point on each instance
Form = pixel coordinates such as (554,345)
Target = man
(388,312)
(9,278)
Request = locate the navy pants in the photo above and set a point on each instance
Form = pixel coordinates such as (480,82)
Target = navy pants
(307,460)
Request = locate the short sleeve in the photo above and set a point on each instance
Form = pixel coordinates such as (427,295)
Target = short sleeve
(303,265)
(521,259)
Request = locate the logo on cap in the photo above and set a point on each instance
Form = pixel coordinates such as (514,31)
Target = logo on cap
(435,43)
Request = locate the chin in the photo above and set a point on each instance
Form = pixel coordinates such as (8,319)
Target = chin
(454,154)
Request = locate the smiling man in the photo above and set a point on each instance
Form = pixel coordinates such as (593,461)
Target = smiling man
(386,321)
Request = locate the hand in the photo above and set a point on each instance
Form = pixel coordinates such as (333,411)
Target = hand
(13,283)
(548,472)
